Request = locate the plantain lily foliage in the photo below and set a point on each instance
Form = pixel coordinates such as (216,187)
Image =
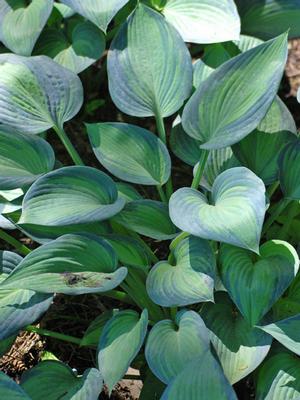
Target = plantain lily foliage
(182,209)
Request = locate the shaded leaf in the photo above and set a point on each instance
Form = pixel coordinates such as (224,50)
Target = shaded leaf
(256,282)
(289,170)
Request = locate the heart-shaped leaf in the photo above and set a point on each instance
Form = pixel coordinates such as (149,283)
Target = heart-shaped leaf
(54,380)
(120,342)
(148,218)
(142,88)
(130,153)
(37,93)
(255,282)
(71,195)
(71,264)
(240,347)
(100,12)
(9,389)
(18,307)
(199,378)
(266,19)
(229,104)
(286,332)
(23,159)
(171,345)
(29,20)
(83,44)
(205,21)
(236,212)
(189,280)
(279,378)
(260,150)
(289,170)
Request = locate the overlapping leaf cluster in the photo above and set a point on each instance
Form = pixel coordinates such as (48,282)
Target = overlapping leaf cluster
(226,300)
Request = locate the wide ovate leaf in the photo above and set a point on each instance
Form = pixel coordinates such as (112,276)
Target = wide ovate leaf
(286,332)
(199,378)
(69,196)
(289,170)
(260,150)
(100,12)
(9,389)
(120,342)
(147,217)
(21,23)
(171,345)
(189,280)
(235,214)
(268,18)
(279,378)
(77,49)
(230,103)
(255,282)
(18,307)
(131,153)
(205,21)
(71,264)
(54,380)
(142,88)
(23,159)
(240,347)
(36,93)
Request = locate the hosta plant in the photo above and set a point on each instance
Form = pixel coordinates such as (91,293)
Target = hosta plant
(189,216)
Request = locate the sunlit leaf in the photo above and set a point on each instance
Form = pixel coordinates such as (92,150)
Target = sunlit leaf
(142,88)
(230,103)
(235,214)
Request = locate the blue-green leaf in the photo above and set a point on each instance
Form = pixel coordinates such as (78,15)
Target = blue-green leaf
(142,88)
(240,347)
(255,282)
(23,159)
(100,12)
(71,264)
(289,170)
(10,390)
(189,280)
(205,21)
(71,195)
(235,214)
(21,23)
(131,153)
(230,104)
(120,342)
(37,93)
(171,345)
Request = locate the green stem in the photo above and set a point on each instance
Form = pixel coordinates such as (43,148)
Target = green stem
(163,137)
(278,209)
(121,296)
(272,189)
(283,234)
(173,312)
(162,194)
(21,248)
(68,145)
(55,335)
(200,169)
